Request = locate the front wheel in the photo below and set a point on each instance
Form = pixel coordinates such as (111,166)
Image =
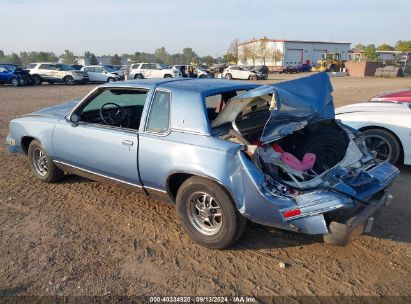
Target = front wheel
(383,144)
(37,80)
(228,76)
(42,165)
(15,82)
(208,213)
(69,80)
(110,79)
(253,77)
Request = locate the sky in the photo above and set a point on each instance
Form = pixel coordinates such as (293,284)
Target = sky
(127,26)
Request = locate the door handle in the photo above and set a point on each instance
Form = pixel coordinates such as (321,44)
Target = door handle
(128,143)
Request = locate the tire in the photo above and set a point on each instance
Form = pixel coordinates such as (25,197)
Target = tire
(390,149)
(42,165)
(202,76)
(110,79)
(168,76)
(228,76)
(69,80)
(253,77)
(37,80)
(227,228)
(138,76)
(14,82)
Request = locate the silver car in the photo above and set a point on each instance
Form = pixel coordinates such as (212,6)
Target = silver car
(56,72)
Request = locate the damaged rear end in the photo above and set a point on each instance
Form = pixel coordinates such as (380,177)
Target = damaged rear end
(301,169)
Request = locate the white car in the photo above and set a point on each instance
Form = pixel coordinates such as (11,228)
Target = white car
(152,70)
(198,72)
(386,126)
(239,72)
(98,73)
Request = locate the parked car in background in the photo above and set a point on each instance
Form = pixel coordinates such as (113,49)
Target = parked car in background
(240,72)
(117,69)
(152,70)
(14,75)
(403,95)
(56,72)
(221,165)
(304,67)
(260,69)
(100,73)
(289,70)
(197,72)
(385,125)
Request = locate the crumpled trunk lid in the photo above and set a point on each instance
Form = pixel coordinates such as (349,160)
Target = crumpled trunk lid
(293,104)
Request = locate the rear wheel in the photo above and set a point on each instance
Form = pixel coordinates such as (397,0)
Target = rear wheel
(208,213)
(168,76)
(37,80)
(138,76)
(42,165)
(383,144)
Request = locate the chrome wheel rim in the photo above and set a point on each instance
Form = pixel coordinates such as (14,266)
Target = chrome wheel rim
(70,80)
(204,213)
(14,82)
(40,162)
(379,145)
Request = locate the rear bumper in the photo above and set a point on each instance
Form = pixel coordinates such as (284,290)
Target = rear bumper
(341,232)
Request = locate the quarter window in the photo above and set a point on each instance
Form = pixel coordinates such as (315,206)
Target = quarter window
(160,113)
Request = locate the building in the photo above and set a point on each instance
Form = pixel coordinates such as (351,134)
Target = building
(386,56)
(278,53)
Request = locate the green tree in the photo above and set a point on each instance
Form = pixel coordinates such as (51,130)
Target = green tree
(161,55)
(370,53)
(403,46)
(1,54)
(208,60)
(359,47)
(232,52)
(385,47)
(116,60)
(188,56)
(68,57)
(93,59)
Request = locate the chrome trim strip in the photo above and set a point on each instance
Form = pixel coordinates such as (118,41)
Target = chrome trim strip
(106,177)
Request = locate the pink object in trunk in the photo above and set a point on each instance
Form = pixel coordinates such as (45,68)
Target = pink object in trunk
(293,162)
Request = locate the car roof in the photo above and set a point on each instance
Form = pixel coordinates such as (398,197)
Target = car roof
(201,86)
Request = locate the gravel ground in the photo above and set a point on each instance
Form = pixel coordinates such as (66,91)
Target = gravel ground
(80,237)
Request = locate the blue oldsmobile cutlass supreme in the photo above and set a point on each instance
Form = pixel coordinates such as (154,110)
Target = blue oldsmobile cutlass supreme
(225,152)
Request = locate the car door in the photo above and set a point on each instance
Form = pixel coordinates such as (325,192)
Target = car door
(90,73)
(156,71)
(145,70)
(101,74)
(153,157)
(94,147)
(4,74)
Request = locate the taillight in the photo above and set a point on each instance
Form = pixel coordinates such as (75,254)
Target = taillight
(291,213)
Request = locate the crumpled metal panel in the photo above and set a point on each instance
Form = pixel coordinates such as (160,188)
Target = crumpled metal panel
(294,104)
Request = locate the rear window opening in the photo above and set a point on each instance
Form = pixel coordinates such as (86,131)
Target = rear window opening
(215,103)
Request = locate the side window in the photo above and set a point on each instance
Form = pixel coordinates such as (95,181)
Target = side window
(44,67)
(159,113)
(145,66)
(130,101)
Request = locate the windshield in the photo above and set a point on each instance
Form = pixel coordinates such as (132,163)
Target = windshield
(109,69)
(65,67)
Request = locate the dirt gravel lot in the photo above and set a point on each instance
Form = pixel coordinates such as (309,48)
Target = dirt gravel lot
(80,237)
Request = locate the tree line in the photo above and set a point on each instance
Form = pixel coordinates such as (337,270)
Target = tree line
(369,52)
(187,56)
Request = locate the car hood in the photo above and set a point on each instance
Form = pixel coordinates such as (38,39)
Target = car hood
(294,104)
(373,107)
(58,111)
(400,95)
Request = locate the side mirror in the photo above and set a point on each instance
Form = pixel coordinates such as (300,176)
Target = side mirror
(74,118)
